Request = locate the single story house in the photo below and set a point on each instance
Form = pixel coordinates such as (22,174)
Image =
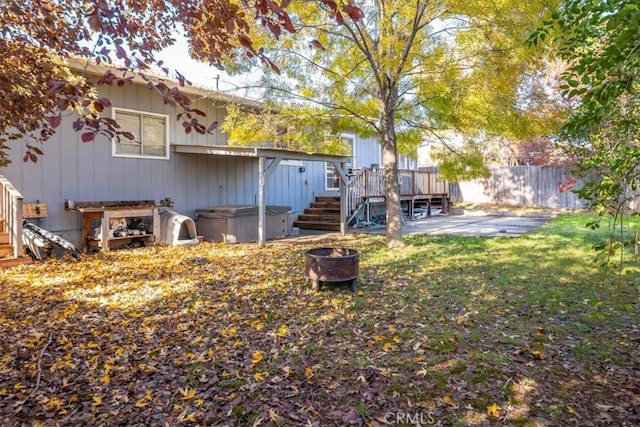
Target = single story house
(194,171)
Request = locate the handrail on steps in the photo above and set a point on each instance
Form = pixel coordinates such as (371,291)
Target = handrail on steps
(355,191)
(11,201)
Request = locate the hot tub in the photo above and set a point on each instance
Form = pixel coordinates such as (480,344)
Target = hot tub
(239,223)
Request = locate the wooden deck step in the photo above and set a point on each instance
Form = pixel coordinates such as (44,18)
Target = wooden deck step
(4,238)
(313,225)
(12,262)
(329,199)
(323,214)
(5,250)
(319,218)
(325,205)
(322,211)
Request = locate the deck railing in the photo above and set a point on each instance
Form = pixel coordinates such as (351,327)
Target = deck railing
(11,203)
(355,189)
(369,183)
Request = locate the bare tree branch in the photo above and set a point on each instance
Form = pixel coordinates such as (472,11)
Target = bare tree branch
(39,375)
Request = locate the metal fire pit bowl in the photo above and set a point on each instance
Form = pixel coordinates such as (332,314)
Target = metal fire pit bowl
(332,265)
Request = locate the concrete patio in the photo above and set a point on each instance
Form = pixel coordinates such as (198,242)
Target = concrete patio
(476,223)
(460,223)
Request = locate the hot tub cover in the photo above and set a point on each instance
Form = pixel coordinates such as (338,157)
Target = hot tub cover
(228,211)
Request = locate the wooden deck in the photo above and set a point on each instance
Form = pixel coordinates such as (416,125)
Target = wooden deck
(417,189)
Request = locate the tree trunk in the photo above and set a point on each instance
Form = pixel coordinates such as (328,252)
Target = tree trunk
(390,165)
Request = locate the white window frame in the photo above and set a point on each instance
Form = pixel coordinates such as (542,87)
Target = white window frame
(352,164)
(114,151)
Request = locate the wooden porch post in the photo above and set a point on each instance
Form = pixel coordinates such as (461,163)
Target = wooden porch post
(263,174)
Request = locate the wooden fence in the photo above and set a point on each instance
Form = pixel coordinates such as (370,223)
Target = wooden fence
(536,186)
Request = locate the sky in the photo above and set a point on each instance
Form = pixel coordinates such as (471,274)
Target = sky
(176,57)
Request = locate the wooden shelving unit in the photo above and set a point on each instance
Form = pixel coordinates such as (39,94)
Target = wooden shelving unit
(102,215)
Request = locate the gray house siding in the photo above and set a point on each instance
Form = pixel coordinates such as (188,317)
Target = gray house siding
(73,170)
(192,181)
(289,186)
(368,152)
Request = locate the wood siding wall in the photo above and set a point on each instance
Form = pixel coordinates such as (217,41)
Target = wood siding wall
(80,171)
(367,152)
(519,186)
(74,170)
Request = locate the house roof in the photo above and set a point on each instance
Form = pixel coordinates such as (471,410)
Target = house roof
(269,153)
(220,150)
(94,69)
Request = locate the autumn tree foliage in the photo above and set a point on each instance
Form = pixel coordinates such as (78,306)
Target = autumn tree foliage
(407,70)
(599,41)
(38,85)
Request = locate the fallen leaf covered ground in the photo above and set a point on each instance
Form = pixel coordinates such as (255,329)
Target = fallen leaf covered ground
(446,331)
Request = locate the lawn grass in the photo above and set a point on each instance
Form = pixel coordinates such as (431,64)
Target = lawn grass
(450,330)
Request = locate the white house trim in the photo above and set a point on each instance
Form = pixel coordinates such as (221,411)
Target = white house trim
(330,165)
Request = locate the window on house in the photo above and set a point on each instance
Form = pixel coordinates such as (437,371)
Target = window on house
(151,132)
(332,176)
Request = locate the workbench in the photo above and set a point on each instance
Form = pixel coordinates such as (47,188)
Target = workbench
(101,215)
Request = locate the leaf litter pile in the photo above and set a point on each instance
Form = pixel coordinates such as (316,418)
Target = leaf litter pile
(446,331)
